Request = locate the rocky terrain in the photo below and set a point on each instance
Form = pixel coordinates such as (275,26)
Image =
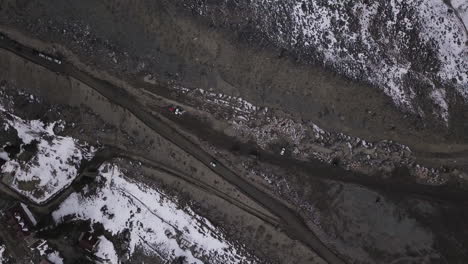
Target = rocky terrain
(234,131)
(415,51)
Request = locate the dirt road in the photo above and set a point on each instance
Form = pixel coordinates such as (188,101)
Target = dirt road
(52,203)
(292,224)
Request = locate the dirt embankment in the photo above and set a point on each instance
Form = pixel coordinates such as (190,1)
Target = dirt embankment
(163,43)
(133,40)
(160,38)
(140,138)
(350,215)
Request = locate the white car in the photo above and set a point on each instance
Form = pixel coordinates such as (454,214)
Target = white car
(213,164)
(282,151)
(178,111)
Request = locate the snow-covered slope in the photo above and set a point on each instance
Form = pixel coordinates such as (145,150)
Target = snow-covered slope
(462,8)
(105,250)
(154,222)
(46,163)
(412,50)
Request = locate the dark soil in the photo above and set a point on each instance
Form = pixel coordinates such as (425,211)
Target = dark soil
(227,54)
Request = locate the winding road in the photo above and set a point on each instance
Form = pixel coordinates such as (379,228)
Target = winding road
(291,223)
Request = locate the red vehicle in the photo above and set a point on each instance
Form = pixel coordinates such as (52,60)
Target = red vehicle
(177,110)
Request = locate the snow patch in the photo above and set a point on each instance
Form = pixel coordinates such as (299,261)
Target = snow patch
(462,8)
(2,254)
(52,167)
(52,255)
(4,156)
(106,251)
(154,222)
(438,96)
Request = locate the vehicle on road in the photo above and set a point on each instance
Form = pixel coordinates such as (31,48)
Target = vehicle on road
(176,110)
(213,164)
(47,57)
(283,150)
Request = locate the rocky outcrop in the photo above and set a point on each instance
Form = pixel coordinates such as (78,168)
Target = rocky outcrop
(415,51)
(273,53)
